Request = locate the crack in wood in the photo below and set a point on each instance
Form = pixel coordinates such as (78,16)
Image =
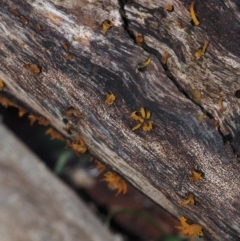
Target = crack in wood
(226,138)
(158,163)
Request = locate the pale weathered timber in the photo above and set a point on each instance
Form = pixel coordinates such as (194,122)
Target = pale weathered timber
(158,162)
(34,205)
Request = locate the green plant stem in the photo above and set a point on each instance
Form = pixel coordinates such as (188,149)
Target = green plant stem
(63,159)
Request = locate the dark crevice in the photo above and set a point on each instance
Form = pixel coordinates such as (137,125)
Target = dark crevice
(237,94)
(226,138)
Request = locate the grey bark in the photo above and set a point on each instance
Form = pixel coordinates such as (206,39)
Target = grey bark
(158,162)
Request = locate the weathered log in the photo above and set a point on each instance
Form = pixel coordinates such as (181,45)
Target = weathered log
(34,205)
(194,102)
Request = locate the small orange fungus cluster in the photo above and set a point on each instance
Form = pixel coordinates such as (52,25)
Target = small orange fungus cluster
(78,39)
(41,120)
(21,112)
(165,57)
(189,230)
(99,166)
(7,103)
(201,117)
(1,84)
(179,24)
(106,25)
(115,182)
(78,145)
(143,120)
(143,65)
(24,20)
(33,68)
(139,40)
(189,201)
(201,51)
(71,111)
(54,134)
(68,127)
(39,27)
(196,176)
(68,56)
(110,98)
(14,11)
(64,46)
(169,8)
(220,103)
(196,95)
(193,15)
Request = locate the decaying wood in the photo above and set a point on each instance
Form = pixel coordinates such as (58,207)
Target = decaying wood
(34,205)
(194,109)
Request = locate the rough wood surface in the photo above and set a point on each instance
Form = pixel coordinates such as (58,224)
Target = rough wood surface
(158,162)
(34,205)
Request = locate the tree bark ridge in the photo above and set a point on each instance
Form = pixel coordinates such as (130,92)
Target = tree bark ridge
(158,162)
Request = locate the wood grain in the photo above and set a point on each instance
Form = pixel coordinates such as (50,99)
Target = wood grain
(158,162)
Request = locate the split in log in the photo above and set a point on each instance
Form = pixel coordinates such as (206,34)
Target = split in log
(193,98)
